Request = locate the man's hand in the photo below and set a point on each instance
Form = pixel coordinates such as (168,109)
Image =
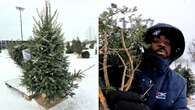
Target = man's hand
(118,100)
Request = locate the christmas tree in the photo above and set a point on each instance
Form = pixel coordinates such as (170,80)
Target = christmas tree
(46,73)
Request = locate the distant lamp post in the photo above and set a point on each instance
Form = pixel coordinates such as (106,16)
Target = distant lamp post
(20,9)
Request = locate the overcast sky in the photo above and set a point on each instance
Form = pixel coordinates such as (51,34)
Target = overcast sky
(79,18)
(179,13)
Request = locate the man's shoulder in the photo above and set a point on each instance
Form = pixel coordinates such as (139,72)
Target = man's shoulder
(176,78)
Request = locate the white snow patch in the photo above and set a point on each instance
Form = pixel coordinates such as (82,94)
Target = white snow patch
(86,97)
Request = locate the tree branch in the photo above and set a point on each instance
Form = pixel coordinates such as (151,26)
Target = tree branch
(103,102)
(131,69)
(105,57)
(124,72)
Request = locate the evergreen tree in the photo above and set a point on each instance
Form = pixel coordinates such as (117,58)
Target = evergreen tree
(186,72)
(114,23)
(46,73)
(92,43)
(192,50)
(121,43)
(77,46)
(69,48)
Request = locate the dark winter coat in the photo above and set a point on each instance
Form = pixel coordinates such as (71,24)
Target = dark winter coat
(168,89)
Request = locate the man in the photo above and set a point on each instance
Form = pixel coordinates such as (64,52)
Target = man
(160,88)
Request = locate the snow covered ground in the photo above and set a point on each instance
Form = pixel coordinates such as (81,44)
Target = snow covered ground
(86,97)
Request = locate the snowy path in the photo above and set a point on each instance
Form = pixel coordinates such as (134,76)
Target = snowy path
(86,94)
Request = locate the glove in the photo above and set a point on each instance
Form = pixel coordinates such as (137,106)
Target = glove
(126,105)
(118,100)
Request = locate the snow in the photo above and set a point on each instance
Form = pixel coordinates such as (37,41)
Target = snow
(191,107)
(17,84)
(86,97)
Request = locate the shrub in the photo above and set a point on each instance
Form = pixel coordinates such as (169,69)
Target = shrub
(15,51)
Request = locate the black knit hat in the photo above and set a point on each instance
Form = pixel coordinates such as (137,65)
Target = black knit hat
(172,33)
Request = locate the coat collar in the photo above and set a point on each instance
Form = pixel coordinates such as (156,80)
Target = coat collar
(154,66)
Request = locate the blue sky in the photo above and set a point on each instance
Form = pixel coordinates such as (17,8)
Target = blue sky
(79,18)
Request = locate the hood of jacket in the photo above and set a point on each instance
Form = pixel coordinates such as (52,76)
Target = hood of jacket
(172,33)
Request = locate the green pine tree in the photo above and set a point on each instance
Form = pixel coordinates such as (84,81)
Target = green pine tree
(69,48)
(186,72)
(46,74)
(77,46)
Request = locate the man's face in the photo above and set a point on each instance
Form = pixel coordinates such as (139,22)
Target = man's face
(161,46)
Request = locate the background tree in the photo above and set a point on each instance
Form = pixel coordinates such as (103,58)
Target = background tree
(192,50)
(15,51)
(187,73)
(92,44)
(69,48)
(46,73)
(77,46)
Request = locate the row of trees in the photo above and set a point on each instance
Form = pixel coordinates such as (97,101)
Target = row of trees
(76,46)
